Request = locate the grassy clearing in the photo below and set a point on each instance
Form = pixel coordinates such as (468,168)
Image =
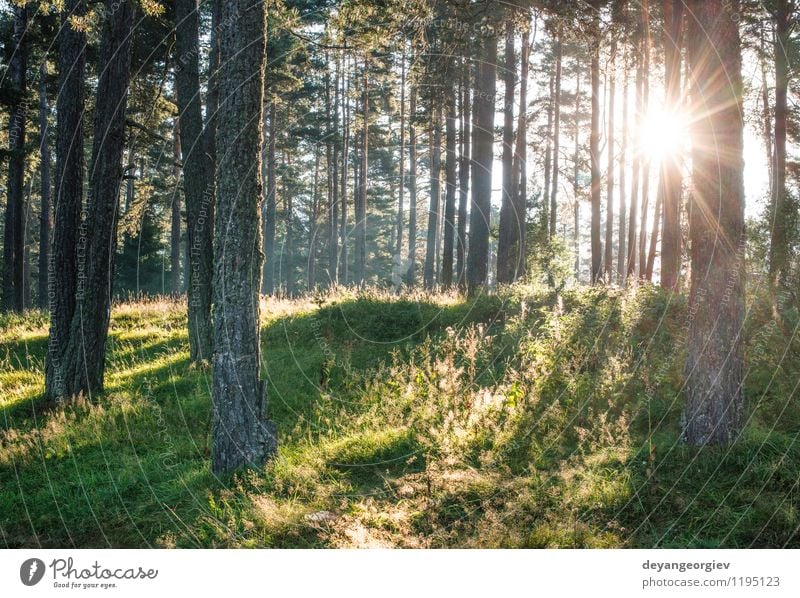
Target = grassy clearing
(518,420)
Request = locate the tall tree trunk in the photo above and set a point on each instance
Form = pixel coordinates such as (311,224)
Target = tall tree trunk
(671,182)
(62,271)
(463,177)
(576,239)
(333,183)
(594,156)
(14,233)
(623,169)
(519,171)
(482,159)
(270,209)
(175,224)
(241,434)
(313,229)
(651,254)
(715,362)
(556,139)
(633,217)
(196,183)
(402,159)
(84,361)
(361,205)
(434,209)
(449,224)
(288,194)
(412,189)
(645,193)
(343,264)
(504,259)
(781,206)
(44,177)
(611,150)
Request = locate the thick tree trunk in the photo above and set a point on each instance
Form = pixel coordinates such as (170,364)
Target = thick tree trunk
(463,177)
(412,189)
(781,206)
(504,259)
(84,361)
(175,224)
(196,183)
(14,232)
(482,159)
(270,207)
(62,271)
(434,209)
(594,156)
(556,140)
(449,225)
(715,363)
(241,434)
(44,177)
(671,183)
(611,150)
(361,205)
(623,169)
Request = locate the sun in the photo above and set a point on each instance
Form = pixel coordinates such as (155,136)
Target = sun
(663,134)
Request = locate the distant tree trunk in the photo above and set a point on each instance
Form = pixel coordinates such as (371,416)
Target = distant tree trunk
(434,209)
(270,209)
(504,259)
(482,159)
(84,361)
(715,362)
(361,205)
(175,224)
(611,150)
(343,264)
(14,232)
(412,189)
(287,187)
(576,239)
(313,228)
(633,217)
(671,165)
(623,169)
(44,177)
(519,189)
(548,159)
(645,202)
(556,139)
(62,271)
(402,159)
(781,206)
(766,113)
(651,254)
(594,156)
(463,177)
(241,434)
(332,171)
(449,225)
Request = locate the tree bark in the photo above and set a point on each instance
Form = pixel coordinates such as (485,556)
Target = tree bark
(611,150)
(482,159)
(594,154)
(402,160)
(715,363)
(361,204)
(14,232)
(519,172)
(313,228)
(449,225)
(343,264)
(504,259)
(434,209)
(44,177)
(623,169)
(576,239)
(463,177)
(333,183)
(556,139)
(412,189)
(84,360)
(270,207)
(645,182)
(636,167)
(241,434)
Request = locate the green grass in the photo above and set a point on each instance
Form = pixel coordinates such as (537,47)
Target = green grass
(515,420)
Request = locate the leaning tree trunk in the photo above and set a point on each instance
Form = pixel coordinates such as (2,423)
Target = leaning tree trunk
(715,363)
(44,228)
(84,361)
(62,271)
(463,177)
(504,259)
(482,159)
(14,233)
(671,183)
(196,184)
(241,434)
(448,228)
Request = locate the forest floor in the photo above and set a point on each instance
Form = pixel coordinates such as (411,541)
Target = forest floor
(513,420)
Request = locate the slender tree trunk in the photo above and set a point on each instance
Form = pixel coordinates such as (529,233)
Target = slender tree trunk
(651,254)
(313,229)
(623,169)
(62,271)
(44,177)
(482,159)
(402,160)
(519,171)
(781,206)
(504,259)
(84,361)
(715,362)
(576,239)
(671,183)
(175,224)
(288,195)
(594,156)
(633,218)
(611,150)
(449,225)
(332,162)
(14,233)
(412,189)
(241,434)
(270,206)
(556,139)
(343,263)
(361,206)
(434,209)
(463,177)
(548,159)
(645,158)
